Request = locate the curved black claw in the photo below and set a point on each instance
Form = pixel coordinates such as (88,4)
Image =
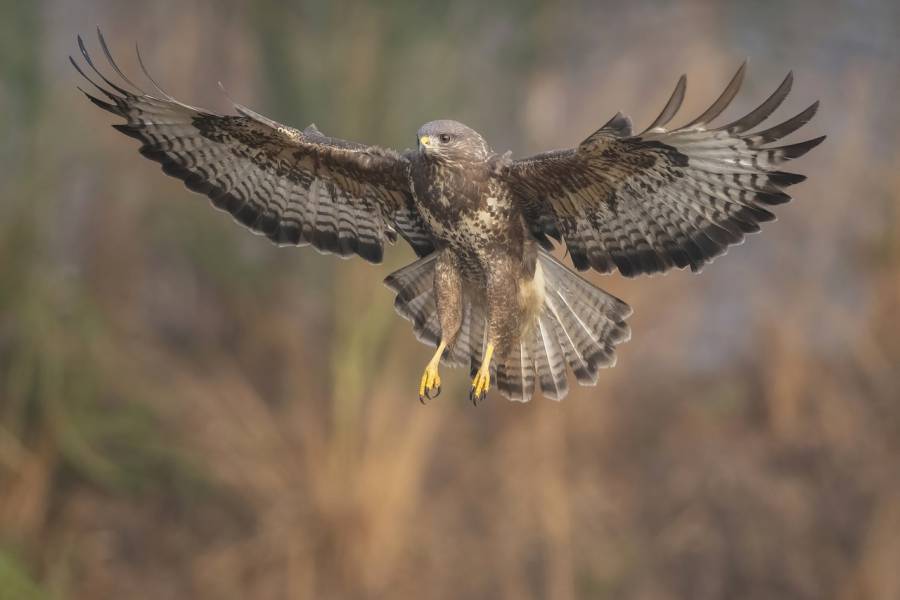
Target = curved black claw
(476,398)
(430,393)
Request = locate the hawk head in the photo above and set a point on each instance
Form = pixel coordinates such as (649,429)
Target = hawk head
(453,141)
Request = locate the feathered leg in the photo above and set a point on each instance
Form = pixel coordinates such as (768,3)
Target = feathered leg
(482,381)
(503,320)
(448,294)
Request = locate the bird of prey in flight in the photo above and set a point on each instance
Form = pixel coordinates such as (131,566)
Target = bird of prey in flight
(485,289)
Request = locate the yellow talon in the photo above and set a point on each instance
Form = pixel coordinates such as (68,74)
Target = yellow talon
(430,385)
(431,382)
(482,381)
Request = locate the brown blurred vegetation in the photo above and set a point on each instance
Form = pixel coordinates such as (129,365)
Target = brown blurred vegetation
(187,412)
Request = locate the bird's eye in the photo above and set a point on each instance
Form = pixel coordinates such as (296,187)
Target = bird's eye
(445,138)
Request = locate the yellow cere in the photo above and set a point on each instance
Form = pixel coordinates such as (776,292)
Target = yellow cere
(424,140)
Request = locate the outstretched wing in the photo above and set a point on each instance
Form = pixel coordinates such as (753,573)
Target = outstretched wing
(296,187)
(644,203)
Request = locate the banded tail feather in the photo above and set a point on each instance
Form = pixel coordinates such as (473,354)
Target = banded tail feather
(577,328)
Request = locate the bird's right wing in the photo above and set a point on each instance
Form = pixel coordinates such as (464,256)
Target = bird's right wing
(296,187)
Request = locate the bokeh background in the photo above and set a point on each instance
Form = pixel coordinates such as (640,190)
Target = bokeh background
(188,412)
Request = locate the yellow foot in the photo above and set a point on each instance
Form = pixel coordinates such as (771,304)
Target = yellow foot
(482,382)
(480,386)
(430,386)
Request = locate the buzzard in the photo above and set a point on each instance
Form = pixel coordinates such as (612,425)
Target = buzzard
(485,289)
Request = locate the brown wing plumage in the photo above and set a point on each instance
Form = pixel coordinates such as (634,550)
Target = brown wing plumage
(647,202)
(296,187)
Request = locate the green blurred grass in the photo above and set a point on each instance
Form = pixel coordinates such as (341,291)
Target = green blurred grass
(186,411)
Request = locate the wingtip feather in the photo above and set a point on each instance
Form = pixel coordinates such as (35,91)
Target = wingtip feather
(785,128)
(762,112)
(671,107)
(799,149)
(147,74)
(724,99)
(112,62)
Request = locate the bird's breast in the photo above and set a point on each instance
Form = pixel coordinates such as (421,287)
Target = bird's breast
(465,209)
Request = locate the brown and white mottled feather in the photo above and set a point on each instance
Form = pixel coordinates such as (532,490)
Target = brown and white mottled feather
(639,203)
(296,187)
(645,203)
(578,326)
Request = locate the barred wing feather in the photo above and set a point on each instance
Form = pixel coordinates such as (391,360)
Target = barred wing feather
(662,198)
(296,187)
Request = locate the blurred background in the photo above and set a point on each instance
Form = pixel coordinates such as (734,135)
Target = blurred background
(189,412)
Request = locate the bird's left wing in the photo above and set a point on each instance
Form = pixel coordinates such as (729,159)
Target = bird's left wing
(662,198)
(296,187)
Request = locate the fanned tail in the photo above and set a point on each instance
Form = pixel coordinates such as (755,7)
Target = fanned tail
(577,327)
(414,286)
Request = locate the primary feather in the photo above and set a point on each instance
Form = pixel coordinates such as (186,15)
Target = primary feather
(663,198)
(296,187)
(485,287)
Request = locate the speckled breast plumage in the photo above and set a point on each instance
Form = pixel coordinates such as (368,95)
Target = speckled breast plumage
(473,217)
